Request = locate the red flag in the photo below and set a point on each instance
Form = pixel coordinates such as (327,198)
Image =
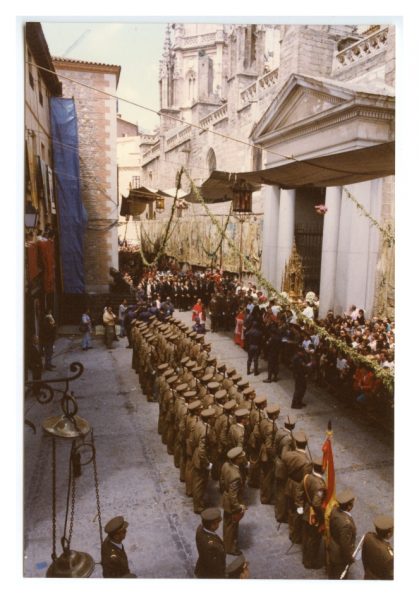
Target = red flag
(329,471)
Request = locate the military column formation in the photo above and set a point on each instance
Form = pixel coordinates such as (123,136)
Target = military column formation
(216,428)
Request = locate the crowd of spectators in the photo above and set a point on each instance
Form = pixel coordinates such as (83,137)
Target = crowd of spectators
(233,305)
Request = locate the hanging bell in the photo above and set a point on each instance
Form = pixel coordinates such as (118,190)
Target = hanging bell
(72,563)
(66,426)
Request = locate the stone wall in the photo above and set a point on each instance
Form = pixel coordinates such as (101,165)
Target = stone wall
(96,116)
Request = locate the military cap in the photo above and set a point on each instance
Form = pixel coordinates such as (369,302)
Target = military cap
(221,367)
(172,379)
(235,378)
(184,360)
(235,452)
(207,413)
(248,391)
(200,337)
(290,422)
(192,334)
(300,437)
(207,345)
(196,369)
(152,318)
(241,412)
(191,364)
(243,383)
(172,337)
(207,377)
(228,383)
(230,404)
(211,359)
(115,525)
(234,569)
(220,395)
(168,373)
(384,522)
(317,461)
(189,394)
(345,496)
(230,371)
(272,409)
(213,386)
(195,405)
(148,335)
(211,514)
(134,322)
(182,387)
(163,367)
(260,400)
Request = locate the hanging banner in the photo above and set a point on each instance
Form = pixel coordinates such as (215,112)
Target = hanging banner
(72,217)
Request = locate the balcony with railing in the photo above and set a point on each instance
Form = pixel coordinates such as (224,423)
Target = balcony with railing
(254,91)
(361,50)
(215,116)
(179,137)
(151,154)
(205,39)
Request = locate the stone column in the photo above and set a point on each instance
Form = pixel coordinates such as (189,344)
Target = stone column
(286,230)
(270,232)
(330,249)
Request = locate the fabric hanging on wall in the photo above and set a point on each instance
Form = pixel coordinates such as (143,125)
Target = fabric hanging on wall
(47,254)
(72,217)
(32,260)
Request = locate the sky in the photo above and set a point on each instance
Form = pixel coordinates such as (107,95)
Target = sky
(135,47)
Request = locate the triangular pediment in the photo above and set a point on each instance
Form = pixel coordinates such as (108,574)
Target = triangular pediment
(301,99)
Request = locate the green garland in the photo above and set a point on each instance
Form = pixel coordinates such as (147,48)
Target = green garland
(214,253)
(383,374)
(387,233)
(167,235)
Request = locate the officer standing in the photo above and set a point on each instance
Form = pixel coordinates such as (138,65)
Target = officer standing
(299,369)
(342,535)
(297,464)
(284,442)
(231,486)
(313,520)
(377,553)
(114,559)
(267,431)
(211,561)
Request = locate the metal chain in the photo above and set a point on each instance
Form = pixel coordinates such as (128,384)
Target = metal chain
(99,514)
(54,500)
(73,497)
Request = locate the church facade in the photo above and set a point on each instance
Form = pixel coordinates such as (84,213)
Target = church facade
(290,93)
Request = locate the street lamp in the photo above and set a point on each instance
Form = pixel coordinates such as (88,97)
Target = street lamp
(160,204)
(242,210)
(31,216)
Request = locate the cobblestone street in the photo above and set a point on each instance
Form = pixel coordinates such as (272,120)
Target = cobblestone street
(138,478)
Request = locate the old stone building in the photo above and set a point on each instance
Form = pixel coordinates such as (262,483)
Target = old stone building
(97,122)
(299,92)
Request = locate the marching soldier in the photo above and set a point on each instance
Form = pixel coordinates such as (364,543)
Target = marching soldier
(284,442)
(377,553)
(267,431)
(314,488)
(113,556)
(204,447)
(342,535)
(297,464)
(211,563)
(231,486)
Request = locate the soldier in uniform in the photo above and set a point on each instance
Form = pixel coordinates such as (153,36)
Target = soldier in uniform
(179,457)
(297,464)
(231,486)
(284,442)
(237,435)
(257,414)
(265,434)
(203,441)
(188,426)
(219,398)
(377,553)
(342,535)
(314,488)
(113,556)
(211,563)
(222,427)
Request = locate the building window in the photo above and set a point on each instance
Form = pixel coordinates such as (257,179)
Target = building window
(135,182)
(211,161)
(40,95)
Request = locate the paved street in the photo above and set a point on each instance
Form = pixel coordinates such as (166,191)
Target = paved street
(138,479)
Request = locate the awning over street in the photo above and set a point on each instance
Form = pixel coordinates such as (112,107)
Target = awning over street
(335,169)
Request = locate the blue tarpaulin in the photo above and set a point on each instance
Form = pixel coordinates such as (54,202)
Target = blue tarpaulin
(72,217)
